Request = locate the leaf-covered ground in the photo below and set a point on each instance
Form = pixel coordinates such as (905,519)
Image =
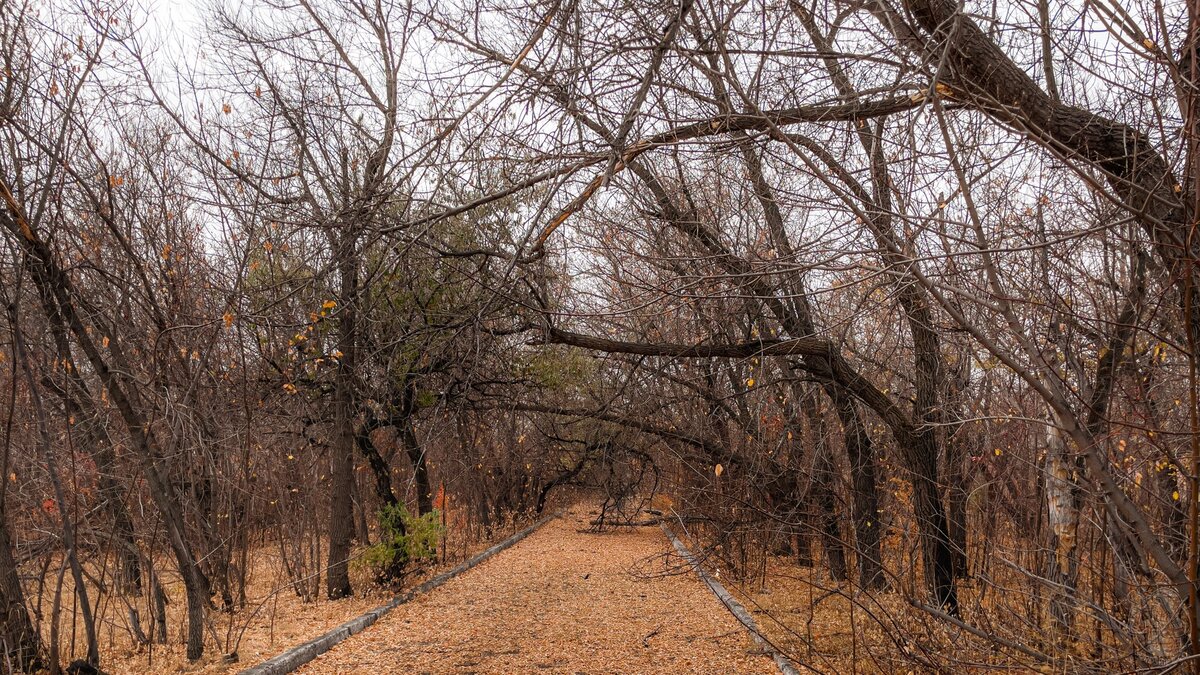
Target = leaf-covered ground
(562,601)
(274,618)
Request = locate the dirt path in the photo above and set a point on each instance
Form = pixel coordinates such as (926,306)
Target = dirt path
(561,601)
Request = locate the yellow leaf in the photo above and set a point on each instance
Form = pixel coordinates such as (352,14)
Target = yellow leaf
(1175,495)
(328,304)
(749,382)
(998,452)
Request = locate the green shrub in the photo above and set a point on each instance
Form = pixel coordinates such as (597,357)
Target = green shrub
(403,538)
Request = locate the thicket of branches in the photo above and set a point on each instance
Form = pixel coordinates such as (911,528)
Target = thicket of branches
(903,289)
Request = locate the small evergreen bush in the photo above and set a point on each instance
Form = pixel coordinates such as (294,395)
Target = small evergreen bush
(403,538)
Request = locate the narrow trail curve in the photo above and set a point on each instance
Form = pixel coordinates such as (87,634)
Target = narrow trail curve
(561,601)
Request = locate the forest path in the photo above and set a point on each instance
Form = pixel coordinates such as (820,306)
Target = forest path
(561,601)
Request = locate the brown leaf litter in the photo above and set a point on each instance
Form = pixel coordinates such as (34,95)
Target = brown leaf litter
(562,601)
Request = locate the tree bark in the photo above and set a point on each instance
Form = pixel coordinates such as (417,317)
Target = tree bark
(54,284)
(21,642)
(341,451)
(1063,497)
(49,458)
(821,493)
(375,461)
(416,455)
(981,74)
(956,504)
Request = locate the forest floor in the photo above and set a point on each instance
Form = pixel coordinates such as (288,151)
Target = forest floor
(274,618)
(565,600)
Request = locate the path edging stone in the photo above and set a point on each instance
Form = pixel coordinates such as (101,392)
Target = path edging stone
(301,654)
(735,608)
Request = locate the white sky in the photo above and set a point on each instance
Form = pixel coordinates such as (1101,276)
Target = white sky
(174,26)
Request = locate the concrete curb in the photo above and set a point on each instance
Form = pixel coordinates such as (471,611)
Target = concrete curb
(301,654)
(735,608)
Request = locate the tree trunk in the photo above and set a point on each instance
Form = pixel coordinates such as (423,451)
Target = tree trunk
(936,555)
(59,302)
(49,458)
(78,401)
(378,465)
(129,569)
(416,455)
(826,502)
(868,551)
(821,491)
(21,643)
(956,505)
(1062,508)
(341,451)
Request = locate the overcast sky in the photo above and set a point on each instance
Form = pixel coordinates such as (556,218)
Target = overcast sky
(174,25)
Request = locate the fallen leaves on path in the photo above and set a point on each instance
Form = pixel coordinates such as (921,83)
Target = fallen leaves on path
(562,601)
